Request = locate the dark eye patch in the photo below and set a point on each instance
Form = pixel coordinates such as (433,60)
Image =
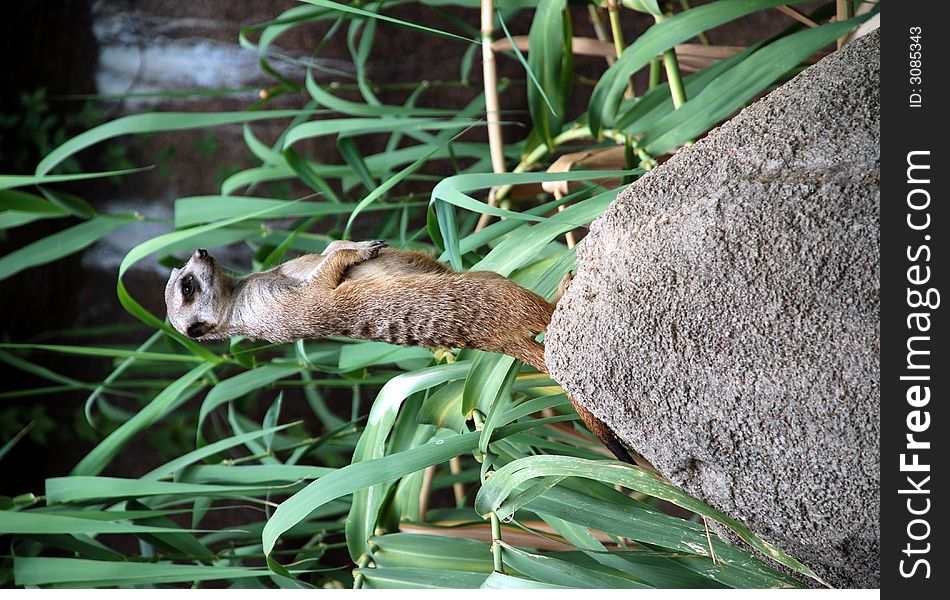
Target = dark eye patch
(188,287)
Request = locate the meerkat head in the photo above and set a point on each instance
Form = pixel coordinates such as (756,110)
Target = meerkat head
(196,297)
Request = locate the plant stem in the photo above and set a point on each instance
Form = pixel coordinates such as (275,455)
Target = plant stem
(492,106)
(684,4)
(360,578)
(616,32)
(458,488)
(798,16)
(496,143)
(497,564)
(599,30)
(614,13)
(843,12)
(673,76)
(571,134)
(654,72)
(426,491)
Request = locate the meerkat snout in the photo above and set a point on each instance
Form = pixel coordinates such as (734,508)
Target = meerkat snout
(198,329)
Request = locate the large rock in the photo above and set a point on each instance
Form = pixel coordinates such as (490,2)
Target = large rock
(724,318)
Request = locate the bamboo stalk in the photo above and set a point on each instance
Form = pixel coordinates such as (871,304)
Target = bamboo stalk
(426,491)
(865,7)
(599,31)
(797,15)
(684,4)
(654,73)
(613,12)
(496,143)
(362,564)
(712,551)
(497,564)
(458,488)
(492,104)
(584,46)
(673,76)
(516,537)
(677,91)
(843,13)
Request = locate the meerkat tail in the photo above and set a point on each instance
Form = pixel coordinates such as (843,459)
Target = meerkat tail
(607,437)
(532,353)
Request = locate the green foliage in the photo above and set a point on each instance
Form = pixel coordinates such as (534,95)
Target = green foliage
(342,483)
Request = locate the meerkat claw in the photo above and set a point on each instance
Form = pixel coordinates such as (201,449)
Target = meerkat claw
(373,248)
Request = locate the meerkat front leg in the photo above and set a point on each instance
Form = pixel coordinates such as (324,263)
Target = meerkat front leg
(307,267)
(329,273)
(350,245)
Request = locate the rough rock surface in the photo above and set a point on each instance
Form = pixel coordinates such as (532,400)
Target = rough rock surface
(724,320)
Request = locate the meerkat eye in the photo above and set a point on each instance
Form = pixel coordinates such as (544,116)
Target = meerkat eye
(188,287)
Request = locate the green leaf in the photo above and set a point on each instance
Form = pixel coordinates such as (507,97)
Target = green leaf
(13,441)
(175,539)
(205,209)
(488,372)
(364,125)
(241,384)
(500,581)
(15,181)
(360,109)
(365,354)
(211,449)
(432,551)
(517,250)
(387,185)
(443,408)
(77,572)
(738,85)
(14,200)
(548,569)
(550,57)
(81,488)
(107,352)
(453,190)
(606,510)
(352,157)
(650,7)
(419,578)
(146,123)
(271,474)
(164,403)
(62,243)
(355,477)
(609,90)
(35,522)
(344,8)
(640,114)
(491,497)
(361,522)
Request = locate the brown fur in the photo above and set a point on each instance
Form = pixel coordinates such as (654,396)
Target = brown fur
(362,290)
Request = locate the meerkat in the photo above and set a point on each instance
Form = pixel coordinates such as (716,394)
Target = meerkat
(366,290)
